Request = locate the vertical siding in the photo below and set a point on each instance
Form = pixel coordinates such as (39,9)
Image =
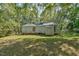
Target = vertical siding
(47,30)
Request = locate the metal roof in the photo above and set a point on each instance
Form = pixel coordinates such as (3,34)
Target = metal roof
(44,24)
(29,25)
(51,23)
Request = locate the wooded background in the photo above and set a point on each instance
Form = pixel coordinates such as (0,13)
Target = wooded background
(13,16)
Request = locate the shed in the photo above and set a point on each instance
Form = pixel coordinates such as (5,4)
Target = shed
(28,28)
(45,28)
(49,28)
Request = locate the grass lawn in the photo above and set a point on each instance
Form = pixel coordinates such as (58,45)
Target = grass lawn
(39,45)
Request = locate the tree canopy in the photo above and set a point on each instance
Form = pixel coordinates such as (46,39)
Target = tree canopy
(14,15)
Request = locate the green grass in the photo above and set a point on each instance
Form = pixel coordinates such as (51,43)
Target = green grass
(39,45)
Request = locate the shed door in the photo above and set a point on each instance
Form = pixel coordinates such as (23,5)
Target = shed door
(33,29)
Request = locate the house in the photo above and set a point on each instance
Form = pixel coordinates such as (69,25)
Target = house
(44,28)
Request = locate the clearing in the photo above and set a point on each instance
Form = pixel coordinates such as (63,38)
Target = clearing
(39,45)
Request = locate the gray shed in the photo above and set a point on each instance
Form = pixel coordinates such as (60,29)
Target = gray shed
(49,28)
(28,28)
(45,28)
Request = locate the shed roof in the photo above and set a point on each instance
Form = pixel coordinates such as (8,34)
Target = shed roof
(44,24)
(51,23)
(29,25)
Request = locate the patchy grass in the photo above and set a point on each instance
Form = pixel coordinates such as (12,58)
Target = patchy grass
(39,45)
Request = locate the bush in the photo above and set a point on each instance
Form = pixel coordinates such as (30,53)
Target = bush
(8,28)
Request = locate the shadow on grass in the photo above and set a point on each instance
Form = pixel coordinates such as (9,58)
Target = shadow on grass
(40,47)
